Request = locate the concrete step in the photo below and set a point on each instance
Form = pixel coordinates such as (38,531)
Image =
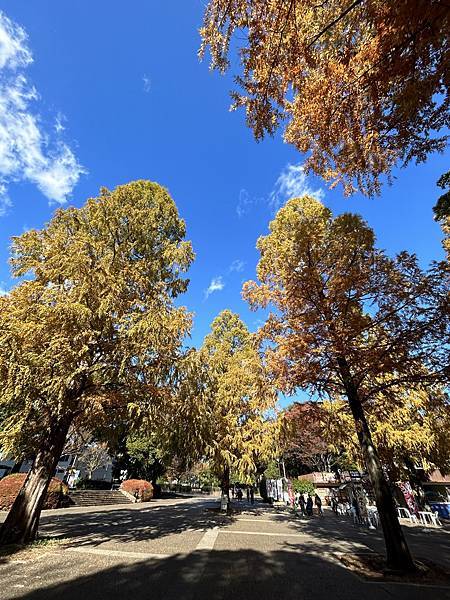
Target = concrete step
(98,497)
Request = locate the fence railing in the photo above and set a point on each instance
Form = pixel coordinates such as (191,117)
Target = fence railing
(185,488)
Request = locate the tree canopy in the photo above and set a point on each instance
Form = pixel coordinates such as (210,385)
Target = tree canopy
(94,329)
(144,457)
(241,398)
(360,85)
(349,321)
(442,207)
(305,447)
(410,431)
(336,294)
(227,409)
(91,334)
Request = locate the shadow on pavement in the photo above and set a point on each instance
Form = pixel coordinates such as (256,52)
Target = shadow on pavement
(333,533)
(233,575)
(130,525)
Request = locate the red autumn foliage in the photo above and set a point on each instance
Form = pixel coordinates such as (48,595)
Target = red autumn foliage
(139,488)
(57,493)
(306,448)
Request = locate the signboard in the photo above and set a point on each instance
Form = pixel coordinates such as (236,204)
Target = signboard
(407,492)
(291,493)
(352,475)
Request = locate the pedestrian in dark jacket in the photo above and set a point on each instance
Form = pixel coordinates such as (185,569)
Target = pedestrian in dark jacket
(301,501)
(309,506)
(318,503)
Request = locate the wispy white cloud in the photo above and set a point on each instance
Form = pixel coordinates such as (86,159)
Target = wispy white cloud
(147,83)
(244,204)
(237,266)
(292,183)
(217,284)
(26,151)
(5,201)
(3,290)
(59,123)
(13,49)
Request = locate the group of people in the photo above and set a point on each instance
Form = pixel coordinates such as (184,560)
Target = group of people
(306,506)
(340,507)
(237,491)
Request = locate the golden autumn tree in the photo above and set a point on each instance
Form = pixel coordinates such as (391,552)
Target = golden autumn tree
(409,428)
(349,321)
(228,403)
(91,335)
(360,84)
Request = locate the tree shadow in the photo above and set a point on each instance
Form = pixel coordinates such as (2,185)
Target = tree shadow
(300,568)
(334,533)
(216,575)
(131,524)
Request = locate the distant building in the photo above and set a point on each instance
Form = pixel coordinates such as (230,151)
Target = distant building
(324,482)
(68,464)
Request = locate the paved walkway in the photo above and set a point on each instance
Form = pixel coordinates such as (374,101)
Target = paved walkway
(182,549)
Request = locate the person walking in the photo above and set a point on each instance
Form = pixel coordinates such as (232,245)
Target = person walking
(356,512)
(318,503)
(309,506)
(301,502)
(334,504)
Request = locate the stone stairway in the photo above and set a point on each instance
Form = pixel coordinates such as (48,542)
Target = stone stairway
(98,497)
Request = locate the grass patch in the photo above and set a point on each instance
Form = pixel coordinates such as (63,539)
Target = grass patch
(32,550)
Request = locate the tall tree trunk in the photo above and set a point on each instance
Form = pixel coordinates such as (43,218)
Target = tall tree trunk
(225,485)
(397,552)
(21,524)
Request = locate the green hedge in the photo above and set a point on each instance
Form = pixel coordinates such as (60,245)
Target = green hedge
(302,486)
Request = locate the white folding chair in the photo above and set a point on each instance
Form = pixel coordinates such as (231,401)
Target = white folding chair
(435,518)
(404,513)
(374,519)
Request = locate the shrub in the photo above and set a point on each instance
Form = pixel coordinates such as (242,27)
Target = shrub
(57,493)
(139,488)
(272,471)
(302,486)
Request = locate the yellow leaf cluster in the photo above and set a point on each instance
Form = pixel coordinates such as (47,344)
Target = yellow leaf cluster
(92,330)
(227,403)
(409,430)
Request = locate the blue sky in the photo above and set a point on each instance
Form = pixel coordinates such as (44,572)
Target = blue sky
(101,93)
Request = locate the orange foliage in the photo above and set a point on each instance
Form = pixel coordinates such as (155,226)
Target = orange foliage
(139,488)
(361,84)
(57,493)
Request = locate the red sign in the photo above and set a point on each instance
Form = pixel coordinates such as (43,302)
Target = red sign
(405,486)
